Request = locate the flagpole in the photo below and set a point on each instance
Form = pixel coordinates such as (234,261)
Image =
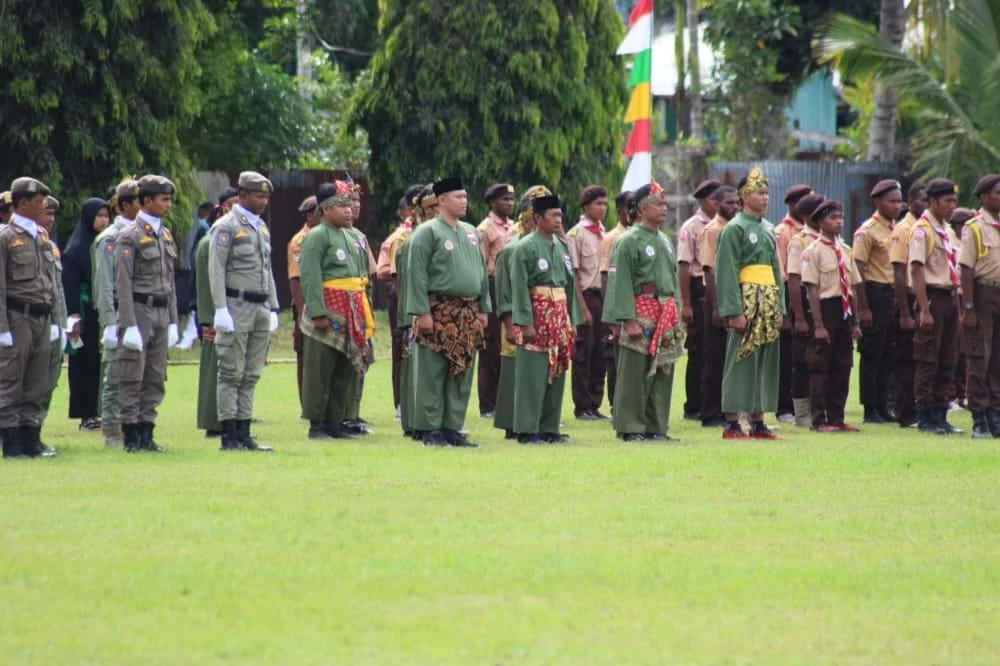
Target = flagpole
(652,31)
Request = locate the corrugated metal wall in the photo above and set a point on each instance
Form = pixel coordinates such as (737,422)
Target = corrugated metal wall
(847,182)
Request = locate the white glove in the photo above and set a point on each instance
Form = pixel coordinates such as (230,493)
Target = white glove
(110,338)
(172,335)
(54,332)
(6,339)
(72,322)
(132,338)
(274,322)
(223,321)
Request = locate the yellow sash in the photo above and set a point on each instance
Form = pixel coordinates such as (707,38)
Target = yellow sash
(355,284)
(762,274)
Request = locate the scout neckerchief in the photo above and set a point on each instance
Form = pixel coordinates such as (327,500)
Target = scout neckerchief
(790,221)
(949,249)
(845,285)
(595,228)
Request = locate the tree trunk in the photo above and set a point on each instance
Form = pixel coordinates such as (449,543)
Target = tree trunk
(881,133)
(680,98)
(694,70)
(305,42)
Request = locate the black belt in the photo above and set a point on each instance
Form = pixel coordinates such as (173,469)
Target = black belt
(592,289)
(941,290)
(151,300)
(28,309)
(248,296)
(879,285)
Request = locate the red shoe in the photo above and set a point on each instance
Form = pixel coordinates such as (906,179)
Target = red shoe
(826,427)
(843,427)
(763,433)
(734,434)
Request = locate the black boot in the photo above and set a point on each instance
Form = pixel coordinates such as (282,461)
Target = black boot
(874,415)
(530,438)
(436,438)
(230,436)
(981,425)
(927,421)
(456,438)
(993,417)
(11,443)
(337,431)
(942,419)
(33,442)
(246,440)
(146,438)
(318,430)
(131,439)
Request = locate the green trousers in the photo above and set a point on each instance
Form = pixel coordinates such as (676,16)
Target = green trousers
(329,382)
(55,369)
(208,378)
(405,391)
(642,403)
(750,385)
(504,415)
(439,401)
(537,404)
(110,404)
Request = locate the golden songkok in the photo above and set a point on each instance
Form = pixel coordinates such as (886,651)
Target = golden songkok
(412,194)
(151,185)
(525,208)
(29,186)
(332,194)
(426,197)
(251,181)
(754,181)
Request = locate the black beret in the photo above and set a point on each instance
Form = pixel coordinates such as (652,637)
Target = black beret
(827,208)
(986,183)
(883,187)
(498,190)
(591,193)
(940,187)
(796,192)
(962,215)
(706,189)
(808,204)
(227,194)
(446,185)
(621,200)
(542,204)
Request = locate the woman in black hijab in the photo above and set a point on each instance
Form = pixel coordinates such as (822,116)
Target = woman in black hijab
(84,363)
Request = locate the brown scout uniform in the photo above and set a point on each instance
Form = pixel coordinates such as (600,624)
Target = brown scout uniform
(144,260)
(800,344)
(935,352)
(27,295)
(689,242)
(588,362)
(899,253)
(386,271)
(830,362)
(714,348)
(294,251)
(784,233)
(872,241)
(494,234)
(980,251)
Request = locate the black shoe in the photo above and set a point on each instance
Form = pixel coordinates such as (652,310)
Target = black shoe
(596,413)
(555,437)
(692,416)
(147,441)
(33,443)
(337,431)
(212,434)
(714,422)
(355,427)
(530,438)
(632,437)
(659,437)
(888,414)
(459,440)
(942,419)
(487,415)
(436,438)
(230,436)
(11,443)
(246,440)
(130,437)
(509,434)
(981,425)
(993,418)
(417,435)
(318,430)
(584,415)
(874,416)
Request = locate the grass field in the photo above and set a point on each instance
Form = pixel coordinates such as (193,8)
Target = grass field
(879,548)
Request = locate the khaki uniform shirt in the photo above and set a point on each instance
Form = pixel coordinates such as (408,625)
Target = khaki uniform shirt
(784,233)
(926,248)
(797,246)
(872,241)
(899,240)
(390,249)
(239,258)
(710,242)
(981,246)
(295,253)
(26,269)
(585,251)
(494,234)
(689,241)
(607,245)
(144,264)
(821,268)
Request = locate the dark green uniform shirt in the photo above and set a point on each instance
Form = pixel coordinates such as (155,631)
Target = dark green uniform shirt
(501,279)
(205,304)
(535,262)
(447,261)
(744,241)
(328,253)
(640,257)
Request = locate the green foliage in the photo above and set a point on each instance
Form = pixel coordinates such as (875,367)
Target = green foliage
(348,26)
(332,140)
(952,98)
(525,92)
(94,91)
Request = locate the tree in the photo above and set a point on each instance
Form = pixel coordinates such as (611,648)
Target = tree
(881,132)
(92,93)
(694,67)
(525,92)
(954,95)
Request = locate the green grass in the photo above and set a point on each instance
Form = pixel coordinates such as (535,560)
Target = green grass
(880,548)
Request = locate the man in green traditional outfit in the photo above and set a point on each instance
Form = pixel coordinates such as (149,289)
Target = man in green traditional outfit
(544,314)
(208,368)
(504,416)
(337,322)
(448,292)
(644,304)
(752,302)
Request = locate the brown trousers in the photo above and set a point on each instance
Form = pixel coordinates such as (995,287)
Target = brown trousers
(695,349)
(392,303)
(906,408)
(489,359)
(785,405)
(142,375)
(981,343)
(713,355)
(297,346)
(588,361)
(935,352)
(830,366)
(800,345)
(25,377)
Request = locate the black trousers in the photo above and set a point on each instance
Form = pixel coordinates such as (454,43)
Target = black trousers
(695,345)
(877,346)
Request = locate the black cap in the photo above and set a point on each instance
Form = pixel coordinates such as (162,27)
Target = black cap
(796,192)
(808,204)
(227,194)
(827,208)
(706,189)
(446,185)
(986,183)
(883,187)
(941,187)
(542,204)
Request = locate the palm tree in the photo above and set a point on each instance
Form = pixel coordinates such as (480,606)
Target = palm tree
(955,92)
(694,71)
(881,131)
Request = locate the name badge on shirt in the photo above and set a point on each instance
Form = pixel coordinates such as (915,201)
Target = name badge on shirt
(543,265)
(341,255)
(448,245)
(471,235)
(752,237)
(650,252)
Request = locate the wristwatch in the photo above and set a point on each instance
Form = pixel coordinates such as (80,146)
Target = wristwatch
(968,307)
